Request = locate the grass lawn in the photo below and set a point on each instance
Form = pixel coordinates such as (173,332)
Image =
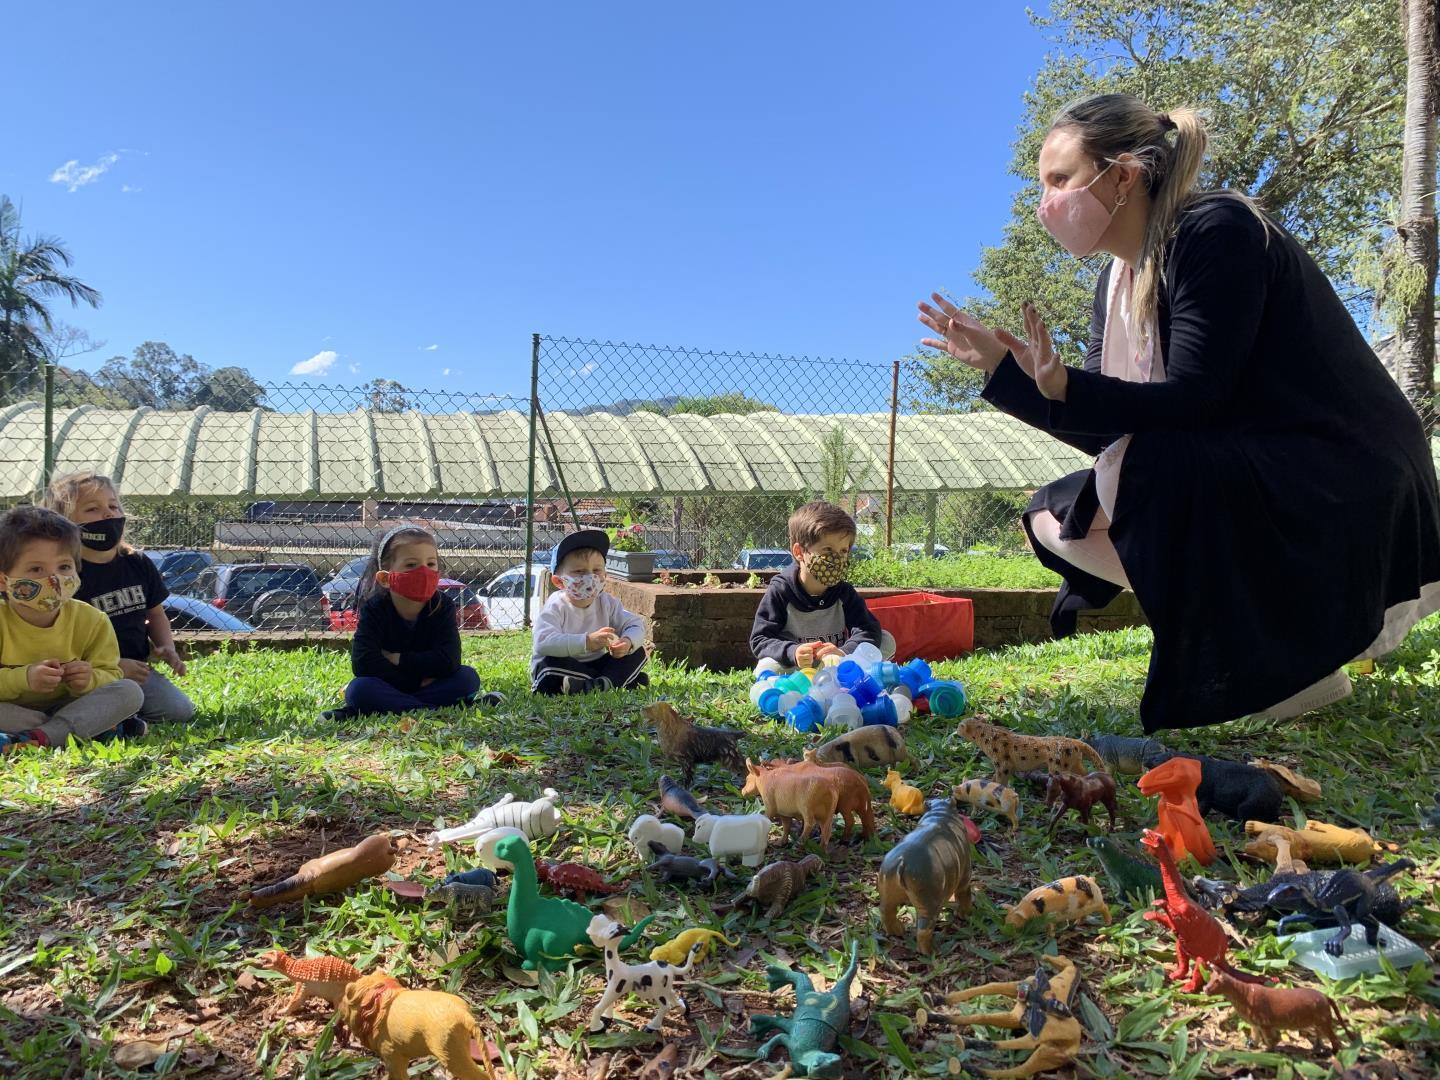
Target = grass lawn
(123,866)
(977,571)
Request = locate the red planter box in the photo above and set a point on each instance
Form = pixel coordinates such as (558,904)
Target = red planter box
(926,625)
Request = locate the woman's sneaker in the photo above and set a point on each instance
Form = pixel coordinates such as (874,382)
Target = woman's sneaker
(1334,687)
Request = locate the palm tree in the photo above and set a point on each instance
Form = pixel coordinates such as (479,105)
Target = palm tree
(31,272)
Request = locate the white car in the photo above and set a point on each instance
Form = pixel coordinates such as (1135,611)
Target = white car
(504,596)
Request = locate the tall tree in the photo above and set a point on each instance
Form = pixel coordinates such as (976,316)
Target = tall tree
(156,377)
(387,395)
(1304,100)
(1414,285)
(32,271)
(229,389)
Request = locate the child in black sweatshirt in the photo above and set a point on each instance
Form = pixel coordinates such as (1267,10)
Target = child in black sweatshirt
(406,651)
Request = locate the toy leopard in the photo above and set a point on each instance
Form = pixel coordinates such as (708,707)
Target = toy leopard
(1010,752)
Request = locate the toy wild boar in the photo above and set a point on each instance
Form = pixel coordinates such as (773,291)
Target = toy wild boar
(927,869)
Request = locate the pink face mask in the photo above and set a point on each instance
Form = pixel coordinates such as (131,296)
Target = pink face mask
(1076,218)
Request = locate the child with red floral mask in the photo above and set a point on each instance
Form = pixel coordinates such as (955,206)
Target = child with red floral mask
(585,640)
(406,651)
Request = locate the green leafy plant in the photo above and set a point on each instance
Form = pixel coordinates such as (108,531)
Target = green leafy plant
(629,538)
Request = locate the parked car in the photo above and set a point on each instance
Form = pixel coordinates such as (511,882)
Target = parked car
(504,596)
(672,560)
(470,611)
(763,559)
(911,552)
(179,569)
(339,588)
(270,596)
(187,613)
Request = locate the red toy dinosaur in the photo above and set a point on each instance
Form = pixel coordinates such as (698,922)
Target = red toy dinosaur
(574,878)
(1176,781)
(1198,937)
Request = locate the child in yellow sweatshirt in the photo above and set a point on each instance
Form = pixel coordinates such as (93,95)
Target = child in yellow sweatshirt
(59,660)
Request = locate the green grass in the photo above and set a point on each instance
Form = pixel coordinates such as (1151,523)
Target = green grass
(978,571)
(122,866)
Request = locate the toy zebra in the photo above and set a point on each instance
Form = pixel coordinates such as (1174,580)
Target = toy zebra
(536,819)
(655,981)
(1069,899)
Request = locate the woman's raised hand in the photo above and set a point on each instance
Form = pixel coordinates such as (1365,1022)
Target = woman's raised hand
(964,338)
(1037,358)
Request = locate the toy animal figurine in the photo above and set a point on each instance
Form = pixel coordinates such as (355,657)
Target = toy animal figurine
(677,948)
(1232,788)
(536,820)
(1346,895)
(745,835)
(691,745)
(1198,937)
(1182,826)
(812,1032)
(811,793)
(657,981)
(1317,842)
(1125,756)
(1044,1009)
(873,744)
(929,867)
(314,976)
(579,881)
(988,795)
(1010,752)
(1070,792)
(330,873)
(1271,1010)
(1253,903)
(904,798)
(544,930)
(674,799)
(1292,783)
(1129,875)
(1069,899)
(670,868)
(775,885)
(663,1065)
(401,1025)
(647,829)
(487,843)
(477,886)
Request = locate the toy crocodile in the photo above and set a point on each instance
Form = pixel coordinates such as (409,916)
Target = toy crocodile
(1125,756)
(1129,874)
(812,1032)
(1348,896)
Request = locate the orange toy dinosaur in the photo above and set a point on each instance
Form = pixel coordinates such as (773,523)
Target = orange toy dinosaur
(1198,937)
(1181,824)
(317,976)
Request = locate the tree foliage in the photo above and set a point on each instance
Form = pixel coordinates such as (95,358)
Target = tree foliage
(157,377)
(387,395)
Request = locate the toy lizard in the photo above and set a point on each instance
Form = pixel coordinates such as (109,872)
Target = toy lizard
(775,885)
(401,1025)
(313,976)
(691,745)
(669,867)
(1070,792)
(1198,937)
(1317,842)
(579,881)
(988,795)
(1271,1010)
(330,873)
(1010,752)
(905,798)
(475,886)
(544,930)
(1044,1008)
(812,1032)
(1175,781)
(677,948)
(1125,756)
(1069,899)
(1346,895)
(1128,874)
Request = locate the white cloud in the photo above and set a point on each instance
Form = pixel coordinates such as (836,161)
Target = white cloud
(586,370)
(445,371)
(75,176)
(318,364)
(127,187)
(428,348)
(353,368)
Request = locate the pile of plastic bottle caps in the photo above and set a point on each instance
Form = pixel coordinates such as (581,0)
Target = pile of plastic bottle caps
(850,691)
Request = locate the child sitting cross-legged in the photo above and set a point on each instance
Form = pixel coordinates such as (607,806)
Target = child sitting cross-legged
(584,638)
(59,661)
(406,650)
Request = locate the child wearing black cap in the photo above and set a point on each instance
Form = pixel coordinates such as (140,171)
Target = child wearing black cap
(585,640)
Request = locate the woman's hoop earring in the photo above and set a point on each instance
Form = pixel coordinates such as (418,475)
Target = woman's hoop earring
(1121,199)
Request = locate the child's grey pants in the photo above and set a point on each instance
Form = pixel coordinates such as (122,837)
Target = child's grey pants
(81,718)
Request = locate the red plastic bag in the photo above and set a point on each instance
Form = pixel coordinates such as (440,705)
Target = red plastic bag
(926,625)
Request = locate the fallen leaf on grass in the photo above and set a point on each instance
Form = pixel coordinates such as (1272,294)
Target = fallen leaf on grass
(627,910)
(246,981)
(521,977)
(200,1057)
(599,1068)
(410,890)
(139,1054)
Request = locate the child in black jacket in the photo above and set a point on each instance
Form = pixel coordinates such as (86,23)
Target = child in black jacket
(406,651)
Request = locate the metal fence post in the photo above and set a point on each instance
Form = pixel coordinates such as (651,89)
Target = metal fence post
(890,463)
(530,484)
(49,370)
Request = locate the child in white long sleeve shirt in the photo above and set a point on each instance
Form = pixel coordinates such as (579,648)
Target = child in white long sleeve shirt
(585,640)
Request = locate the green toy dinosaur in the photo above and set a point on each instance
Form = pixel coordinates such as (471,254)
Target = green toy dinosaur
(1130,875)
(544,930)
(812,1033)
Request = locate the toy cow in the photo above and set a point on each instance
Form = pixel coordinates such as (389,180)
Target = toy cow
(745,835)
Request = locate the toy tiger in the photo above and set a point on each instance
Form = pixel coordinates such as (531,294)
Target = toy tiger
(1069,899)
(988,795)
(1011,752)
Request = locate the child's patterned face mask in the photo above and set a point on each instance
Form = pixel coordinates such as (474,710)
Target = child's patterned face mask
(828,569)
(42,594)
(582,587)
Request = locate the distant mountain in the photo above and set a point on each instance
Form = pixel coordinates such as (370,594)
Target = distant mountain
(627,406)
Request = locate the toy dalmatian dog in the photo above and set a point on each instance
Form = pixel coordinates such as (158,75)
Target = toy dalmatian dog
(656,981)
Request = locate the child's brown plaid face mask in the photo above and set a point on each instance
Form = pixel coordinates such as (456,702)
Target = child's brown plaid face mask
(828,569)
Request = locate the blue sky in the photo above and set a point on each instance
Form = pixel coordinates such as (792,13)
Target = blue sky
(415,190)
